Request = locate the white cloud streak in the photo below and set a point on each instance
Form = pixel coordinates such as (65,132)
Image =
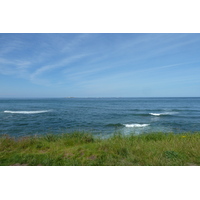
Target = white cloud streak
(57,66)
(122,61)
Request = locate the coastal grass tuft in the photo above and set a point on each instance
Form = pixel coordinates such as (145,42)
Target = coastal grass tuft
(83,149)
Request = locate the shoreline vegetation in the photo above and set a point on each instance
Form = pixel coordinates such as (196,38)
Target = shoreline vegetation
(84,149)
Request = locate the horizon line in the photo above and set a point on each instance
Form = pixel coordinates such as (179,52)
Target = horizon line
(95,97)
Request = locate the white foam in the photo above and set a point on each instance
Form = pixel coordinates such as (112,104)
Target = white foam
(155,114)
(165,113)
(136,125)
(26,112)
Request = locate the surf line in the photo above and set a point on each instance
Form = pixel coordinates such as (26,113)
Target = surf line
(26,112)
(136,125)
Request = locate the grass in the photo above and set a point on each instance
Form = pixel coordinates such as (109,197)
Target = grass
(82,149)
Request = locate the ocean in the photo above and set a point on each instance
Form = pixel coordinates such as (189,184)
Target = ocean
(99,116)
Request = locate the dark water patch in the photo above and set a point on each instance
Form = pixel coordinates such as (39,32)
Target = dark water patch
(115,125)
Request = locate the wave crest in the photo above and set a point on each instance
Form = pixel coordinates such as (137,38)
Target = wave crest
(136,125)
(26,112)
(165,113)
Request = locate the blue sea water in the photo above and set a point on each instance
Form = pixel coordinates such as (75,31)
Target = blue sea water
(100,116)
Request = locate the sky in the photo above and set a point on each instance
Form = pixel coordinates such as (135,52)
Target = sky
(99,65)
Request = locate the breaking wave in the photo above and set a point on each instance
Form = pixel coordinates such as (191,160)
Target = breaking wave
(136,125)
(128,125)
(26,112)
(166,113)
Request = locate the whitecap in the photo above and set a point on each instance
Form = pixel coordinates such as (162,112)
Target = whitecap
(26,112)
(136,125)
(155,114)
(165,113)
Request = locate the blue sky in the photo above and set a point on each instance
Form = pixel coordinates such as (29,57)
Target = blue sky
(99,65)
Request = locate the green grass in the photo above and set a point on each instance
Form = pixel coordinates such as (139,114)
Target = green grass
(82,149)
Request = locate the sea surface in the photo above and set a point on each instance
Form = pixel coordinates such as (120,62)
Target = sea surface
(100,116)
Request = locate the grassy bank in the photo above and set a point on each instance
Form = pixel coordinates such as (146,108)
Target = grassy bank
(77,149)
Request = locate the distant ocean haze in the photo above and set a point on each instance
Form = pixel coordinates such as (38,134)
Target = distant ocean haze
(99,116)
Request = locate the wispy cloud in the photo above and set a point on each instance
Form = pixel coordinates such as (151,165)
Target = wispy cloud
(75,42)
(101,61)
(51,52)
(119,79)
(10,44)
(17,67)
(65,62)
